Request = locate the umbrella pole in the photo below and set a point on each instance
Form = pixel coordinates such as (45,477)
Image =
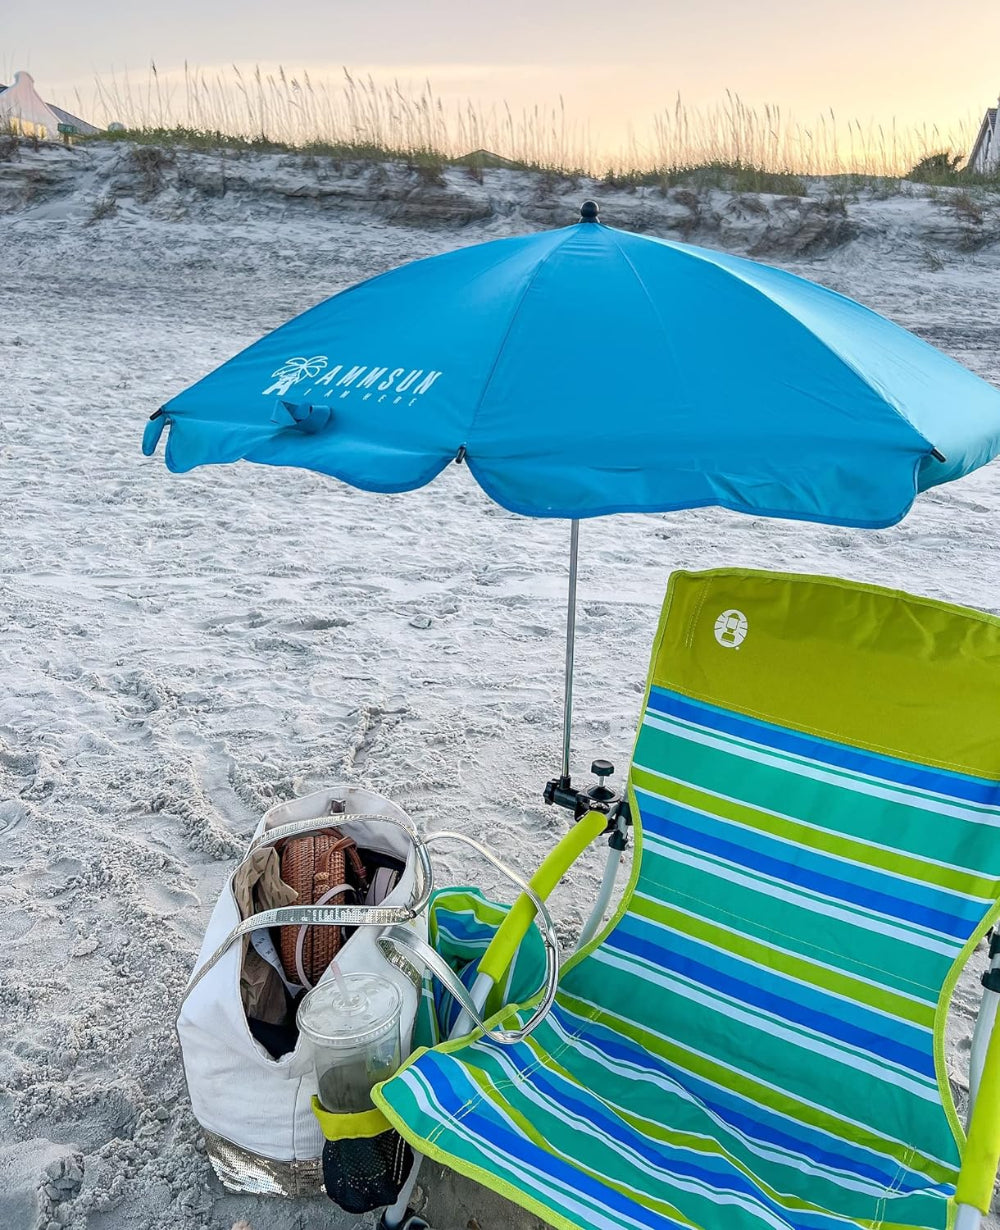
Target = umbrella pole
(574,549)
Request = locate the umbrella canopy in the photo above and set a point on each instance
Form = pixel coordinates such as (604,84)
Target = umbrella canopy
(588,370)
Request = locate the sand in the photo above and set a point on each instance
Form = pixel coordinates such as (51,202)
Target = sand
(178,653)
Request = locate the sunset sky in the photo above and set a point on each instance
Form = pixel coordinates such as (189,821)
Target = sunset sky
(614,62)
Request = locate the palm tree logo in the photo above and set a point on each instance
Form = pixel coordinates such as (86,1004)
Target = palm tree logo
(294,370)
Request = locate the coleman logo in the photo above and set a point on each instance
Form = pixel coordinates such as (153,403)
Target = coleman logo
(731,629)
(315,375)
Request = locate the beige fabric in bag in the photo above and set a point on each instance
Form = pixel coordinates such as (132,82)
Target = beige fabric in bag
(257,885)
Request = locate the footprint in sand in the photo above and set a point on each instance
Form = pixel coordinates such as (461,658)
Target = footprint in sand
(18,763)
(315,623)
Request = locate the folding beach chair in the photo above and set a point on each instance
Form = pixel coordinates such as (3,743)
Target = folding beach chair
(757,1040)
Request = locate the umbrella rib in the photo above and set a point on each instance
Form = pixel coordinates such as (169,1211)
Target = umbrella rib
(650,300)
(570,232)
(884,395)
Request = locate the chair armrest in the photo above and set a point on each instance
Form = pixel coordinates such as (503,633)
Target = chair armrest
(514,927)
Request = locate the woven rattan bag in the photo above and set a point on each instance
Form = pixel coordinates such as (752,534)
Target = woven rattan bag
(324,869)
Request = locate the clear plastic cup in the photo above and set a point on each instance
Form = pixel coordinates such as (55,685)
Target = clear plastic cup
(352,1023)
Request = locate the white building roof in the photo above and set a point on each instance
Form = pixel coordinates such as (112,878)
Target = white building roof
(21,103)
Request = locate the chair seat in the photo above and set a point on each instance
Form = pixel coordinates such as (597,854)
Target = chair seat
(664,1149)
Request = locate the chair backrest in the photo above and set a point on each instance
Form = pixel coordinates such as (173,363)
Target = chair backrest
(818,830)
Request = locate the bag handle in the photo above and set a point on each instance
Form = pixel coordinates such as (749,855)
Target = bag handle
(329,915)
(396,938)
(296,828)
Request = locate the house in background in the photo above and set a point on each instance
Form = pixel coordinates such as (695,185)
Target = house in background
(23,112)
(485,158)
(985,156)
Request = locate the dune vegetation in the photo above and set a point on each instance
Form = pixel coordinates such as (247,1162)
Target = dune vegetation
(734,144)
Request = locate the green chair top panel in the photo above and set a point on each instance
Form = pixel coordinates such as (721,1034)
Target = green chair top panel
(902,676)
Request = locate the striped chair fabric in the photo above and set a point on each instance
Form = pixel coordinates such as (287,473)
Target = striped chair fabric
(757,1040)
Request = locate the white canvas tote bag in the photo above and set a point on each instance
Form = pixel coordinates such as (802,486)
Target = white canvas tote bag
(260,1131)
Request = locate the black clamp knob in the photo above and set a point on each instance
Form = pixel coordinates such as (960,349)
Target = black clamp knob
(602,792)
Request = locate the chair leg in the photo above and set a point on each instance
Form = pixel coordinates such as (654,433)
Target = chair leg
(411,1221)
(984,1027)
(480,993)
(968,1218)
(400,1216)
(603,898)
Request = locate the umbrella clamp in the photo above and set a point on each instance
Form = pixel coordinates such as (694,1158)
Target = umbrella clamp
(601,797)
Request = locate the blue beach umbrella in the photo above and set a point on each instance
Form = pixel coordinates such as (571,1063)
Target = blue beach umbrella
(588,370)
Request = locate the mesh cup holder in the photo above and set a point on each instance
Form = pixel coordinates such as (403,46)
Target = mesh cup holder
(362,1173)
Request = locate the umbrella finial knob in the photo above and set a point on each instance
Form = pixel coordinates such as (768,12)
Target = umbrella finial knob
(589,211)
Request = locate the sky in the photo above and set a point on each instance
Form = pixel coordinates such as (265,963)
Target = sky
(614,63)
